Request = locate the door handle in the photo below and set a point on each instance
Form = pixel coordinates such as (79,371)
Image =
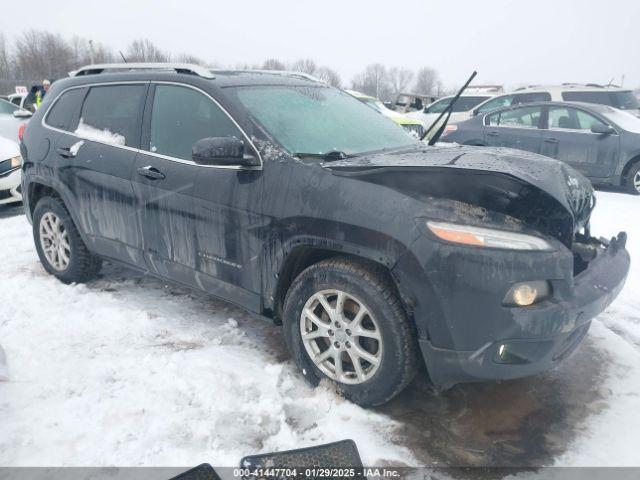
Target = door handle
(70,152)
(151,172)
(492,134)
(66,152)
(552,140)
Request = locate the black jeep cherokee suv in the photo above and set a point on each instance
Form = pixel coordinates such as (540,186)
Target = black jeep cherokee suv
(297,202)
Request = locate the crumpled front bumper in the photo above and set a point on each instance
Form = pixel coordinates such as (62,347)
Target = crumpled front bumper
(544,346)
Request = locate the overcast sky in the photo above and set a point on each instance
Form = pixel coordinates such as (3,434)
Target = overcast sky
(514,42)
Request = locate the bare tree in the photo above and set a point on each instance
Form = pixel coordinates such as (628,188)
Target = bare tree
(143,50)
(41,54)
(304,65)
(374,81)
(6,70)
(399,80)
(188,58)
(273,64)
(330,76)
(427,81)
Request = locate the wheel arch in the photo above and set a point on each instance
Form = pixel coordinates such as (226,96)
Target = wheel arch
(629,165)
(303,255)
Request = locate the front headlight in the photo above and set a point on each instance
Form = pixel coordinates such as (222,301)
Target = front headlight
(486,237)
(16,161)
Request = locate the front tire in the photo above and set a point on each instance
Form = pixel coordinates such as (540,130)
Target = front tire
(59,245)
(343,321)
(632,180)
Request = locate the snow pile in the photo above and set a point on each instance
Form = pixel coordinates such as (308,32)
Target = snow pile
(4,371)
(92,133)
(612,437)
(128,371)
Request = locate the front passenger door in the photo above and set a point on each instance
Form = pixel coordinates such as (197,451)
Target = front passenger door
(568,137)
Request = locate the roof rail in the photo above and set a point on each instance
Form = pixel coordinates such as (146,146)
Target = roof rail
(188,68)
(286,73)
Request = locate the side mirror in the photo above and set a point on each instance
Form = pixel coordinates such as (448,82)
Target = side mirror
(602,129)
(475,112)
(221,151)
(22,113)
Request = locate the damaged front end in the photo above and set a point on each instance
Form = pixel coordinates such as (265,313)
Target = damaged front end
(471,298)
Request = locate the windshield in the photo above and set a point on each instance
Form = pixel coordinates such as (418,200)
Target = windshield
(624,120)
(463,104)
(372,102)
(7,108)
(318,120)
(624,100)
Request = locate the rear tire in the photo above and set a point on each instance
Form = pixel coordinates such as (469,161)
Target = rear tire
(631,180)
(364,329)
(59,245)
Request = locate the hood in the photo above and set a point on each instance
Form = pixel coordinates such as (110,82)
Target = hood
(8,148)
(9,126)
(546,194)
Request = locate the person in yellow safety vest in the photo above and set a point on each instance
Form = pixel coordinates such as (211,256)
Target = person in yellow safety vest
(46,84)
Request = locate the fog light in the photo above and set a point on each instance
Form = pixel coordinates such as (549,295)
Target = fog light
(524,294)
(501,349)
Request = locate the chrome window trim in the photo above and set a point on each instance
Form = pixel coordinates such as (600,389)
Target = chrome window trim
(147,152)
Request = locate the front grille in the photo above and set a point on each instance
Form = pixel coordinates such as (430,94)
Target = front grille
(4,194)
(415,129)
(5,166)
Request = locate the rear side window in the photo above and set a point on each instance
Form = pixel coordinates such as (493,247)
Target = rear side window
(112,114)
(64,111)
(624,100)
(181,116)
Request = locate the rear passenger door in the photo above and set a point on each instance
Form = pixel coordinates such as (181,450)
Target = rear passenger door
(515,128)
(94,156)
(568,137)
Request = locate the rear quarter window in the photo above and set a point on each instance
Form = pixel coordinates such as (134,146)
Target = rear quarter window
(63,113)
(113,114)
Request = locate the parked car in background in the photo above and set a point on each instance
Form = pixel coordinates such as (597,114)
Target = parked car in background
(616,97)
(411,125)
(9,122)
(410,102)
(599,141)
(462,109)
(10,174)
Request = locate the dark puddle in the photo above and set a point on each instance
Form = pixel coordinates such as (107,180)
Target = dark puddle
(520,423)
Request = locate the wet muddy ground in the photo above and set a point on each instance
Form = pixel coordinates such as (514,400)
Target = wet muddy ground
(520,423)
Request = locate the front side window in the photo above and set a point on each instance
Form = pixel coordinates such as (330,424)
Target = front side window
(7,108)
(525,117)
(111,114)
(463,104)
(571,119)
(532,97)
(498,102)
(317,120)
(65,109)
(181,116)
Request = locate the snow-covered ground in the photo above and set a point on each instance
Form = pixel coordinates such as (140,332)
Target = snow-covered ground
(129,371)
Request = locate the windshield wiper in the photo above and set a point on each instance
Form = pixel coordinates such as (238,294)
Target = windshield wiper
(447,111)
(331,156)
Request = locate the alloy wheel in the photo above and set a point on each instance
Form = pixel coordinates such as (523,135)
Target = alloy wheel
(341,336)
(54,241)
